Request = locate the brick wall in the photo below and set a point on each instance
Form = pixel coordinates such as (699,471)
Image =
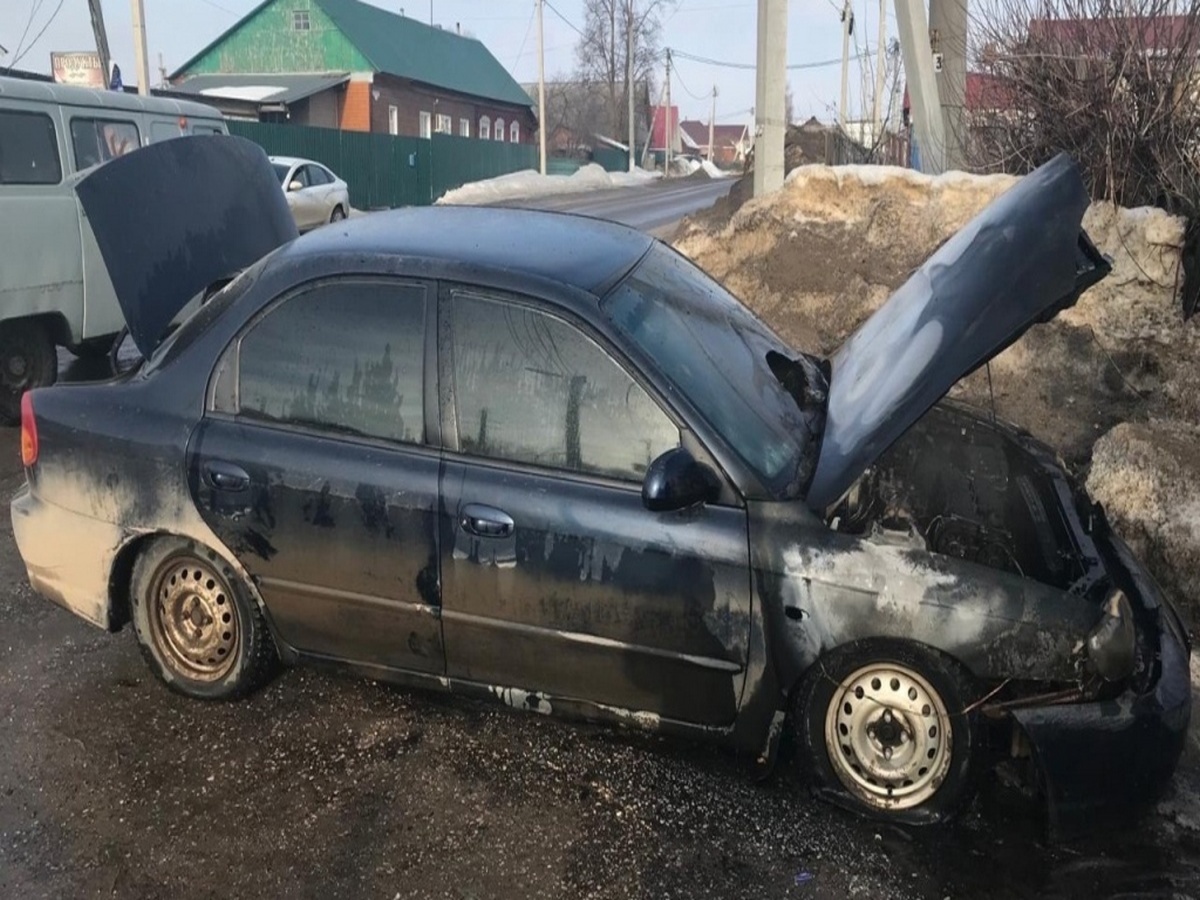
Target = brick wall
(355,111)
(411,100)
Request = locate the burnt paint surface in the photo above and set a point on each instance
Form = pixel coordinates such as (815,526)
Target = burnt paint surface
(594,596)
(341,537)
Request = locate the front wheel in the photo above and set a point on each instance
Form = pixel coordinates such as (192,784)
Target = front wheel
(882,725)
(198,630)
(27,360)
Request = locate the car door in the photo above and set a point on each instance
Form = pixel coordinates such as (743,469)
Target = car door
(301,200)
(312,466)
(555,578)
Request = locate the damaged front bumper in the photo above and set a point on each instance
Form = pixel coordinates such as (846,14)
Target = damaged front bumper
(1107,758)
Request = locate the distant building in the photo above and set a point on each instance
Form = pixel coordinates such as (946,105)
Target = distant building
(731,143)
(350,65)
(580,114)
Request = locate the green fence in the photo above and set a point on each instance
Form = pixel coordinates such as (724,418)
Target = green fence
(612,159)
(386,171)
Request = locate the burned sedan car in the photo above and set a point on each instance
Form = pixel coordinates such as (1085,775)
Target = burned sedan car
(546,460)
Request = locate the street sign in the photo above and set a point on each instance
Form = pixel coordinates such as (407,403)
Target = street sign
(81,67)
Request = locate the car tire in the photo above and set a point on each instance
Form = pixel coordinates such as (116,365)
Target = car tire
(870,723)
(197,627)
(27,360)
(337,215)
(94,348)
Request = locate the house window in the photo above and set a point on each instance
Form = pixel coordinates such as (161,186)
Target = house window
(300,20)
(445,125)
(485,128)
(426,124)
(499,129)
(393,120)
(464,127)
(514,132)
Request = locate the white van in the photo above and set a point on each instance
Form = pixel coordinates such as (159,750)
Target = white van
(54,288)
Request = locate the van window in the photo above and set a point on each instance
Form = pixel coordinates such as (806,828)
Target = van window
(99,140)
(207,129)
(28,149)
(164,131)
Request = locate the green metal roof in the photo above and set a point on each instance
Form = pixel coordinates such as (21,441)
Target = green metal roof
(397,45)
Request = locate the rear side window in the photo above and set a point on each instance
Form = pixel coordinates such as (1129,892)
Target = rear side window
(345,356)
(164,131)
(317,176)
(99,140)
(28,149)
(206,129)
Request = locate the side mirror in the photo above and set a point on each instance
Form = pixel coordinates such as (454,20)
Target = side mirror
(295,186)
(676,481)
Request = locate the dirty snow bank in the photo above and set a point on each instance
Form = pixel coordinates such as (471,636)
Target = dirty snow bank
(817,257)
(528,183)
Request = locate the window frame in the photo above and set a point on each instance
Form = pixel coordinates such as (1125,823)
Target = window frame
(443,120)
(301,20)
(514,132)
(485,128)
(98,121)
(448,400)
(464,128)
(425,126)
(58,149)
(393,119)
(498,130)
(223,400)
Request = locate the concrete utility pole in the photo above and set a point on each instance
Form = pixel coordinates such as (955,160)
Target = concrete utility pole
(948,40)
(139,48)
(880,61)
(928,123)
(101,40)
(712,121)
(541,88)
(668,129)
(769,127)
(847,28)
(629,86)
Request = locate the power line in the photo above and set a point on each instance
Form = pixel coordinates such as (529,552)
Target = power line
(224,9)
(33,11)
(688,90)
(38,36)
(567,21)
(524,40)
(752,66)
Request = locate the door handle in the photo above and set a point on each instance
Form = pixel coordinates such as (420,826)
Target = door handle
(225,476)
(485,521)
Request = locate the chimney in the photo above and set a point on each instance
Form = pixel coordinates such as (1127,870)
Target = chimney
(458,27)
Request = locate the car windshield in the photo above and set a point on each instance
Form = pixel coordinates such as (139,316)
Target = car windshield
(281,171)
(739,375)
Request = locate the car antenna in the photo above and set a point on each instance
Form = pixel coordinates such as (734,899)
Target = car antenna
(991,391)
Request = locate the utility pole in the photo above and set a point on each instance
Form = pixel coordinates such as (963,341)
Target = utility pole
(847,28)
(948,40)
(880,56)
(629,86)
(541,88)
(771,75)
(670,139)
(101,40)
(162,70)
(139,47)
(712,120)
(928,123)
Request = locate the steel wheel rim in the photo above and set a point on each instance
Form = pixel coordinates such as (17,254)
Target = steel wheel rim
(192,619)
(888,736)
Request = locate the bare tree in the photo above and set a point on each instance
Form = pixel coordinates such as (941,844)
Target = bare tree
(602,54)
(1112,82)
(789,105)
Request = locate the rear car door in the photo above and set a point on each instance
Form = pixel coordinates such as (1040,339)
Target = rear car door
(555,577)
(312,466)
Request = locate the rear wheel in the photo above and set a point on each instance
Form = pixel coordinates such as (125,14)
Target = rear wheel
(27,360)
(198,630)
(881,725)
(337,215)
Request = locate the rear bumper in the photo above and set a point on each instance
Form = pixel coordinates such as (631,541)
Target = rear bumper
(1103,760)
(68,556)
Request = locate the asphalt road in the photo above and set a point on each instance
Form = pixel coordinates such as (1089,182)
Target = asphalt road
(649,208)
(324,785)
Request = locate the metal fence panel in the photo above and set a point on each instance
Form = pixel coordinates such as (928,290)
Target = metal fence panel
(612,159)
(459,160)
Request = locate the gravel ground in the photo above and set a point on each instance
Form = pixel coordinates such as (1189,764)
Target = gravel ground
(323,785)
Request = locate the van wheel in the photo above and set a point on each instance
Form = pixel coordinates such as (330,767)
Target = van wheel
(27,360)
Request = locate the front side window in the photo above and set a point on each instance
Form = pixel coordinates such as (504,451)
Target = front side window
(344,356)
(164,131)
(532,388)
(99,140)
(28,149)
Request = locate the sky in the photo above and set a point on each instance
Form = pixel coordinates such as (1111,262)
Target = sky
(722,30)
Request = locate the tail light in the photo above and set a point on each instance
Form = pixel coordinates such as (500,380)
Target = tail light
(29,435)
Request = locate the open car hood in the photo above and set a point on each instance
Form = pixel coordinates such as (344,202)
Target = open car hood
(1020,261)
(175,217)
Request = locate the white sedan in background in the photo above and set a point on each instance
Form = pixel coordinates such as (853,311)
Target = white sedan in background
(314,194)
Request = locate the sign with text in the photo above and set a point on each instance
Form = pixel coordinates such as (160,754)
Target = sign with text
(81,68)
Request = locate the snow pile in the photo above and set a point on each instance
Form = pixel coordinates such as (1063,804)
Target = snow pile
(712,170)
(816,258)
(529,183)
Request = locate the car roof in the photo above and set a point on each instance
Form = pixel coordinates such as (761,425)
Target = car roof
(581,252)
(290,160)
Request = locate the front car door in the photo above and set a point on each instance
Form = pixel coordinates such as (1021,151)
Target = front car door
(312,466)
(555,577)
